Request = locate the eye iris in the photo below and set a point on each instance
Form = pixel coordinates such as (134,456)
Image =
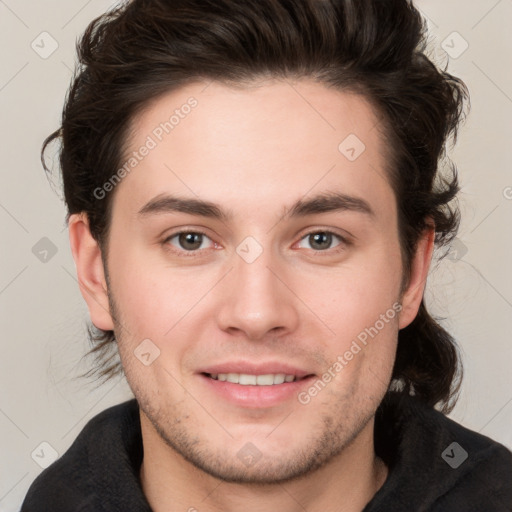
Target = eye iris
(317,238)
(187,239)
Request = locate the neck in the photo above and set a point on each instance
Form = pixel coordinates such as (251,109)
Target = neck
(345,484)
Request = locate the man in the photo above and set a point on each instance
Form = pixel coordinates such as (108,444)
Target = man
(253,202)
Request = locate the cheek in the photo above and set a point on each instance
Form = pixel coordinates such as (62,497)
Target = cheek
(165,304)
(157,301)
(355,295)
(361,363)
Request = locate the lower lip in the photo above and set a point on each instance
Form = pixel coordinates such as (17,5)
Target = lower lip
(256,396)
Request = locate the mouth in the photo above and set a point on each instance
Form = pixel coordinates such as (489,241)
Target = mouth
(246,379)
(253,385)
(256,391)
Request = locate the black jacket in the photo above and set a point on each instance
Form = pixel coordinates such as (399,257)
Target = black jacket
(435,465)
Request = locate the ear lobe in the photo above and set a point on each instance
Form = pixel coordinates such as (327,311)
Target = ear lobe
(89,266)
(413,295)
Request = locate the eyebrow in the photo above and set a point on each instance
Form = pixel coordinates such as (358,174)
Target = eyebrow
(321,203)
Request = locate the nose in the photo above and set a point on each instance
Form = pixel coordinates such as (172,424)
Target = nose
(256,300)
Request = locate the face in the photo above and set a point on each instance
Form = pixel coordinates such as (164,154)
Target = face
(257,325)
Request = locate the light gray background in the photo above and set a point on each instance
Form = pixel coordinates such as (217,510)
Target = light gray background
(43,314)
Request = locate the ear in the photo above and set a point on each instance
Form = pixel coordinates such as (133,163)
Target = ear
(420,264)
(89,267)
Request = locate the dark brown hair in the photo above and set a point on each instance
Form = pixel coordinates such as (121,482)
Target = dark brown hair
(377,48)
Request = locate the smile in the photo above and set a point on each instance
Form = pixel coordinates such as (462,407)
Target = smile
(246,379)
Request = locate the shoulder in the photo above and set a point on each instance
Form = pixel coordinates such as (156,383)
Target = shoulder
(479,469)
(73,482)
(437,463)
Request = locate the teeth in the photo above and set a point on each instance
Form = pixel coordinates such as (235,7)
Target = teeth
(265,380)
(253,380)
(279,378)
(247,380)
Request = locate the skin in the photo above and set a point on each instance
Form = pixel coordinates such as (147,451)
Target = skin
(254,151)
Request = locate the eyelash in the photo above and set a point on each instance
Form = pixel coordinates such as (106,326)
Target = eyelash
(196,253)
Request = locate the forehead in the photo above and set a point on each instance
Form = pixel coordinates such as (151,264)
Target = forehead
(254,146)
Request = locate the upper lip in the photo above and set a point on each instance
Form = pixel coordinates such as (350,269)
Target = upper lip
(255,369)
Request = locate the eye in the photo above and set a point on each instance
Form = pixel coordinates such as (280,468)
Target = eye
(191,243)
(187,241)
(322,240)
